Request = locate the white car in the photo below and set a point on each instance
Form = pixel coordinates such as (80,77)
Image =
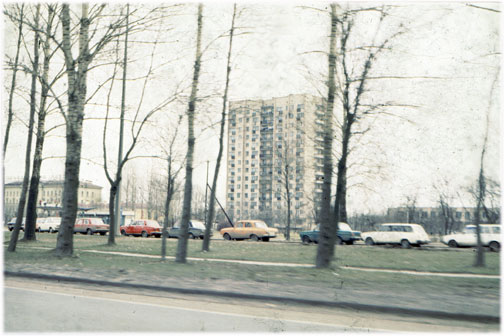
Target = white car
(49,224)
(397,233)
(490,236)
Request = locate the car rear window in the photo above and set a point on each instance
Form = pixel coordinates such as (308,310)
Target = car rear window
(496,229)
(198,225)
(261,225)
(96,221)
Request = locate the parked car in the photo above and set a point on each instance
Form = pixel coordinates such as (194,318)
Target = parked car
(249,229)
(142,227)
(397,233)
(49,224)
(91,225)
(12,223)
(196,230)
(345,235)
(490,236)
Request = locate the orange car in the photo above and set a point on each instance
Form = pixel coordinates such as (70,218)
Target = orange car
(249,229)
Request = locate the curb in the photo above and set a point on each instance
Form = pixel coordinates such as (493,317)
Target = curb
(335,304)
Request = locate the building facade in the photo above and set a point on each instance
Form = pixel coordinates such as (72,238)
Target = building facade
(50,194)
(274,145)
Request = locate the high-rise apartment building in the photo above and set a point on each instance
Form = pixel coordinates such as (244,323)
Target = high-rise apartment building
(275,145)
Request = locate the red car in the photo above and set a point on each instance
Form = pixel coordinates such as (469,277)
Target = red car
(142,227)
(91,226)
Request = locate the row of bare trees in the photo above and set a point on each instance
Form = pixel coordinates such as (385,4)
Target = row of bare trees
(82,38)
(77,36)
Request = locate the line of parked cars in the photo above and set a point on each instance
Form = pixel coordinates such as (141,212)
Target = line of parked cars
(409,234)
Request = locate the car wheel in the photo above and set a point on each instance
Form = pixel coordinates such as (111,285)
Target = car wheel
(452,243)
(350,242)
(145,234)
(339,241)
(405,244)
(227,236)
(102,233)
(369,241)
(11,228)
(123,233)
(494,246)
(265,239)
(51,230)
(191,236)
(254,238)
(306,240)
(89,232)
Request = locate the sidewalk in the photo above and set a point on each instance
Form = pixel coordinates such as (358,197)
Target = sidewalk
(451,304)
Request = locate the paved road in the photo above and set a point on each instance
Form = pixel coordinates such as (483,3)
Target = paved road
(43,306)
(84,312)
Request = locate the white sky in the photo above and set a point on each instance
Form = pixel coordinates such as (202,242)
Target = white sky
(441,139)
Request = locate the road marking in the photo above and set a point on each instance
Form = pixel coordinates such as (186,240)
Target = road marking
(348,328)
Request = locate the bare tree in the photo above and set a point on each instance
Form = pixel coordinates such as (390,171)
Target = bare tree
(186,212)
(31,210)
(172,173)
(327,236)
(286,176)
(77,71)
(18,14)
(481,186)
(33,91)
(211,206)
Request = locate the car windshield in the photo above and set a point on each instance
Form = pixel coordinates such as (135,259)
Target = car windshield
(344,227)
(198,225)
(261,225)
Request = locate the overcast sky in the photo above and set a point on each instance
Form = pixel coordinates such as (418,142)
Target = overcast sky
(447,51)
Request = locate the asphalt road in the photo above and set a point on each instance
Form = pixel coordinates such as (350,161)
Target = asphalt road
(44,306)
(38,310)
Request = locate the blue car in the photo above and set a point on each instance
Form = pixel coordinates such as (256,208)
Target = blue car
(345,235)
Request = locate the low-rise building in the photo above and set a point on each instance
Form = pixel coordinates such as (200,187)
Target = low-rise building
(50,194)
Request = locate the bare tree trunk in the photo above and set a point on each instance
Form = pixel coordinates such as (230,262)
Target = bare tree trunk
(325,249)
(33,107)
(31,210)
(10,112)
(186,210)
(287,232)
(169,194)
(480,200)
(76,100)
(480,252)
(115,222)
(211,207)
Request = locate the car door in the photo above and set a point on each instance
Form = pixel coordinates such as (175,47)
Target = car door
(381,235)
(240,228)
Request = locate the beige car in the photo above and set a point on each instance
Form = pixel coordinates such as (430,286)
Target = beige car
(249,229)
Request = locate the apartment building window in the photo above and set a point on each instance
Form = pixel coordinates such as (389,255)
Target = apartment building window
(239,178)
(246,196)
(246,187)
(237,195)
